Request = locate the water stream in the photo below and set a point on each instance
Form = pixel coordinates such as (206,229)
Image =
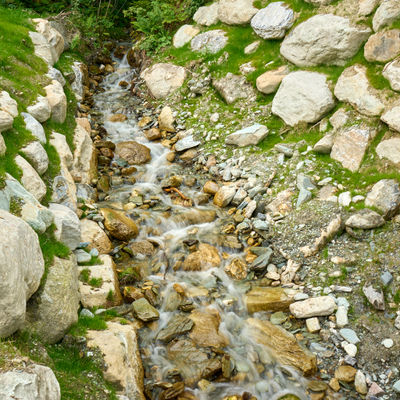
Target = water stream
(170,226)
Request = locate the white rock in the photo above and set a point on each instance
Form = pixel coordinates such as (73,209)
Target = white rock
(385,196)
(360,383)
(184,35)
(35,127)
(54,39)
(389,149)
(392,73)
(37,156)
(392,118)
(93,234)
(236,12)
(252,47)
(344,199)
(41,110)
(8,104)
(210,41)
(324,145)
(341,316)
(6,121)
(57,100)
(64,189)
(163,79)
(388,343)
(68,229)
(324,39)
(55,74)
(313,307)
(353,87)
(339,119)
(31,211)
(303,97)
(59,141)
(21,268)
(118,344)
(84,166)
(30,179)
(98,296)
(350,349)
(3,147)
(273,21)
(42,47)
(251,135)
(313,325)
(207,15)
(366,7)
(32,382)
(386,14)
(57,304)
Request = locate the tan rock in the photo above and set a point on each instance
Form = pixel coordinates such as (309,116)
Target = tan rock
(117,118)
(166,120)
(133,152)
(184,35)
(389,149)
(101,296)
(282,203)
(313,325)
(383,46)
(118,344)
(224,196)
(119,224)
(210,187)
(30,179)
(269,299)
(349,147)
(345,373)
(313,307)
(57,100)
(236,12)
(269,81)
(282,345)
(205,257)
(392,118)
(205,332)
(237,269)
(84,167)
(92,233)
(153,134)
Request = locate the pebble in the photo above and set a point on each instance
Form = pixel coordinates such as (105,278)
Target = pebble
(396,386)
(344,199)
(341,317)
(386,278)
(349,335)
(360,383)
(82,256)
(350,349)
(300,296)
(388,343)
(313,325)
(86,313)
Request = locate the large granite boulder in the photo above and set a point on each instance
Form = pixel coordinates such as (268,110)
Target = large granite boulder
(353,87)
(273,21)
(54,309)
(95,236)
(389,149)
(383,46)
(21,269)
(163,79)
(207,15)
(385,197)
(40,110)
(236,12)
(303,97)
(324,39)
(57,100)
(210,41)
(37,156)
(29,382)
(386,14)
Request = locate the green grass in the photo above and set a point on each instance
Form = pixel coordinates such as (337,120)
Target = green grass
(97,323)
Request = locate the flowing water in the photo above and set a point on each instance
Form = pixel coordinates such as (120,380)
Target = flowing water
(169,225)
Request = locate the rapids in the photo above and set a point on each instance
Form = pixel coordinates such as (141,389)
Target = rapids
(255,369)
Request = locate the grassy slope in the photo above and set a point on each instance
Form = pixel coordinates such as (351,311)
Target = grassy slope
(22,75)
(268,57)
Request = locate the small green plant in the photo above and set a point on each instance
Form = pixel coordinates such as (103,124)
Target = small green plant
(95,282)
(84,275)
(110,295)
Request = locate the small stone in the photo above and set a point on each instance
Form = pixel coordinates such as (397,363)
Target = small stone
(86,313)
(82,256)
(186,143)
(344,199)
(166,120)
(341,317)
(252,47)
(313,307)
(313,325)
(334,384)
(251,135)
(224,196)
(386,278)
(144,311)
(278,318)
(350,349)
(360,383)
(375,297)
(184,35)
(396,386)
(388,343)
(345,373)
(210,41)
(349,335)
(365,219)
